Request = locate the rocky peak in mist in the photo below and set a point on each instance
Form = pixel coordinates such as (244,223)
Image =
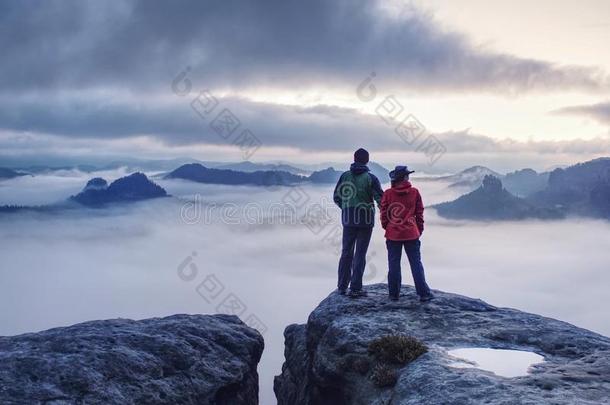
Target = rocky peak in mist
(492,185)
(492,202)
(134,187)
(96,183)
(373,351)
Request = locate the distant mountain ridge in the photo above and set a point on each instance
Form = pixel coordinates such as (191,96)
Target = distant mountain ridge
(202,174)
(247,166)
(582,189)
(151,165)
(6,173)
(521,182)
(491,201)
(168,165)
(131,165)
(325,176)
(525,182)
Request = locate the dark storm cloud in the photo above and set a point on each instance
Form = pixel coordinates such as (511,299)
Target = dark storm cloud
(599,112)
(143,44)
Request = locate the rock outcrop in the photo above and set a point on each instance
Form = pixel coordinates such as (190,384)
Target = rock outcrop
(135,187)
(181,359)
(493,202)
(96,183)
(328,360)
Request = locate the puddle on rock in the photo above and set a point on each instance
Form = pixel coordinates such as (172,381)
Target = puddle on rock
(502,362)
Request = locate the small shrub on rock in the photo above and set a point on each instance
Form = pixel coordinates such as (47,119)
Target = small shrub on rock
(384,376)
(397,349)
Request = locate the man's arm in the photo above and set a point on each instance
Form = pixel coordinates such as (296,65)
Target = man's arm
(419,213)
(336,194)
(376,189)
(384,211)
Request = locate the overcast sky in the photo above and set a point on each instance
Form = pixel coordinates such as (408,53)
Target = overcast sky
(506,84)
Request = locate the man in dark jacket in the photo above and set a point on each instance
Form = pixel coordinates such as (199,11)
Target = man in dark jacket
(355,194)
(402,217)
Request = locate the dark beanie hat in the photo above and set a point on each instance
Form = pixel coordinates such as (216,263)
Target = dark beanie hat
(361,156)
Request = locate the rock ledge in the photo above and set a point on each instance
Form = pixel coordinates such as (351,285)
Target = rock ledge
(180,359)
(576,370)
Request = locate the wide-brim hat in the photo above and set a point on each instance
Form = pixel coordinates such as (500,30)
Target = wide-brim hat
(400,172)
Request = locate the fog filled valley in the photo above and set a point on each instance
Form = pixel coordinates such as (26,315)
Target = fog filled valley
(150,258)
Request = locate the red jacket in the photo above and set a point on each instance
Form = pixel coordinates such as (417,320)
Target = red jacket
(402,212)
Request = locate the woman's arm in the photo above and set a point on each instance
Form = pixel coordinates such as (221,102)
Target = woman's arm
(384,211)
(419,213)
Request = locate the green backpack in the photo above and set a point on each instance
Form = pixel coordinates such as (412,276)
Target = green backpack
(355,190)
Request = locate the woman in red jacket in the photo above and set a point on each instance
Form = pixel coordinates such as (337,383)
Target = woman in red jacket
(402,217)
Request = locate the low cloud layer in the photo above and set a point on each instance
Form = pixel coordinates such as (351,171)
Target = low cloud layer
(122,262)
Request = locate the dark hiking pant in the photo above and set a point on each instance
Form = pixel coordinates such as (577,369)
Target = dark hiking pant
(417,268)
(353,257)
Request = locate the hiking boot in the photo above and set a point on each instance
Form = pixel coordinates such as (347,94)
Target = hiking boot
(426,298)
(393,297)
(341,292)
(357,294)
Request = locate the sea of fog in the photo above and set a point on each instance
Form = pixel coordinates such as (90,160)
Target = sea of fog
(221,248)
